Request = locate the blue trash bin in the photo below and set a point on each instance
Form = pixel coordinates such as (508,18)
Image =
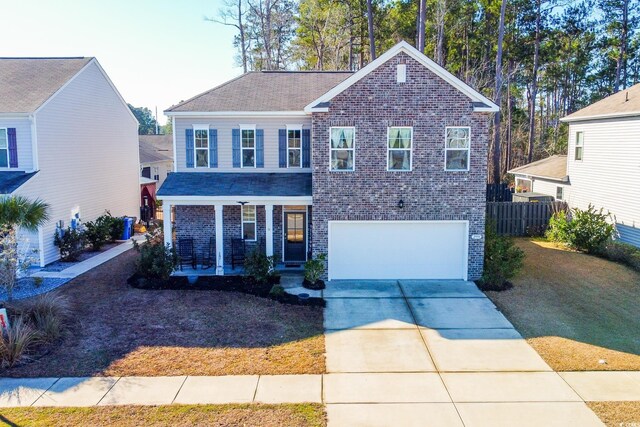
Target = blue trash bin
(128,226)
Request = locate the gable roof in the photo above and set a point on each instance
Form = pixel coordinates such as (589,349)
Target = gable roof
(481,103)
(263,91)
(27,83)
(625,103)
(154,151)
(553,167)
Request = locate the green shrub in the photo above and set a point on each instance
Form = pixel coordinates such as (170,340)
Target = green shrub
(502,260)
(314,268)
(17,342)
(260,266)
(97,232)
(116,226)
(70,242)
(156,261)
(584,230)
(623,253)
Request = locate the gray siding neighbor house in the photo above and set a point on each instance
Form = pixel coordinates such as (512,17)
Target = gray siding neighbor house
(384,170)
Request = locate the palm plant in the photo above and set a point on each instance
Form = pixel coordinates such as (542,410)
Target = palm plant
(16,212)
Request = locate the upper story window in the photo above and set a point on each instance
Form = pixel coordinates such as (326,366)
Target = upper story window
(579,145)
(249,222)
(248,143)
(4,149)
(457,148)
(294,148)
(201,139)
(399,142)
(342,148)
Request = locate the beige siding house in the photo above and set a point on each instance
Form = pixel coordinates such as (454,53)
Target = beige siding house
(75,138)
(603,161)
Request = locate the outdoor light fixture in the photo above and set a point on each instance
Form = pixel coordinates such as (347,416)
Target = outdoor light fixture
(401,204)
(243,203)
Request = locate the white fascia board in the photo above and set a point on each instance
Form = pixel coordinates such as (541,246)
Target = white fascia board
(599,116)
(14,115)
(223,114)
(529,176)
(405,47)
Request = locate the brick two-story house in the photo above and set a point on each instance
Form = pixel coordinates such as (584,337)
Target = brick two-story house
(384,169)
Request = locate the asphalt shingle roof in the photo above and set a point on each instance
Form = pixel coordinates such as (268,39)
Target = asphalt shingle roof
(236,184)
(10,181)
(623,103)
(265,91)
(26,83)
(554,167)
(155,148)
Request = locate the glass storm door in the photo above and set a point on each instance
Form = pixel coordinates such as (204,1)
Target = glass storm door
(295,239)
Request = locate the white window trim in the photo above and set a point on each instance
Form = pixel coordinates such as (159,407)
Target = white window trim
(518,179)
(294,127)
(457,149)
(195,149)
(242,149)
(254,222)
(561,189)
(331,149)
(575,146)
(410,150)
(6,135)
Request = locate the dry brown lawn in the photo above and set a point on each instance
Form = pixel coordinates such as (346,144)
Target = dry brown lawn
(617,414)
(122,331)
(307,415)
(575,309)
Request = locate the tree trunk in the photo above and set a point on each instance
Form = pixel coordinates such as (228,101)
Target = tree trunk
(243,42)
(441,12)
(372,40)
(422,18)
(534,84)
(497,150)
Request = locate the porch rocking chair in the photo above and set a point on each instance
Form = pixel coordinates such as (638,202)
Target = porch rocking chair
(238,250)
(209,257)
(186,252)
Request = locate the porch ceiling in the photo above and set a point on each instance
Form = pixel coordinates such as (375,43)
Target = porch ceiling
(233,184)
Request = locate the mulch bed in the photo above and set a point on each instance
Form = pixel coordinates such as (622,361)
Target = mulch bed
(242,284)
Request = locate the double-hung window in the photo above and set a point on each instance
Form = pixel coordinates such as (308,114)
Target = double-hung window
(399,142)
(249,222)
(294,147)
(4,148)
(342,148)
(248,142)
(201,140)
(457,148)
(579,145)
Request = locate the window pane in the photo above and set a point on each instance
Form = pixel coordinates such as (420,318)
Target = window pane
(248,138)
(394,138)
(579,138)
(457,159)
(3,138)
(559,193)
(248,157)
(249,231)
(201,138)
(294,158)
(248,213)
(4,163)
(341,137)
(341,160)
(399,137)
(202,158)
(400,160)
(579,153)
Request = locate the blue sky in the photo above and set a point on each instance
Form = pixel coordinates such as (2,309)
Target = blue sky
(157,52)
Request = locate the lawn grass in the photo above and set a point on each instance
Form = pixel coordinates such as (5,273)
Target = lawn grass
(617,414)
(575,309)
(299,415)
(122,331)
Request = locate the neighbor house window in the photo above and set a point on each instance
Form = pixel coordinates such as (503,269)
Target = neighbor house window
(248,137)
(249,222)
(201,137)
(156,173)
(399,142)
(457,148)
(523,185)
(559,193)
(342,148)
(579,145)
(294,148)
(4,149)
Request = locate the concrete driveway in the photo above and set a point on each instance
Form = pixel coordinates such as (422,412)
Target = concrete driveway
(404,352)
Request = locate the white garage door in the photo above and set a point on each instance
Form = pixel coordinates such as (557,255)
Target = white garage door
(397,250)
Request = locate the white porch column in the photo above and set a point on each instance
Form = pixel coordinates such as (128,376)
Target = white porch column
(166,223)
(269,225)
(219,241)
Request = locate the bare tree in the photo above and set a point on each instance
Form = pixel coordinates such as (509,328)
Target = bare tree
(422,17)
(441,13)
(232,14)
(372,40)
(533,89)
(497,150)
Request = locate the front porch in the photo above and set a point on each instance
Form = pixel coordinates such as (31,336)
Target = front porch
(220,217)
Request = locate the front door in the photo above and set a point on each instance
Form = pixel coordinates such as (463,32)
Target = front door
(295,239)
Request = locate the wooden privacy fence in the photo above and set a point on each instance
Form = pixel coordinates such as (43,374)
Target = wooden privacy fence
(522,218)
(499,192)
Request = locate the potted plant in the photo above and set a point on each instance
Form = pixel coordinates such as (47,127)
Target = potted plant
(313,271)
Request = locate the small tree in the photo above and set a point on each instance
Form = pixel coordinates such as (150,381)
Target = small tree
(502,260)
(17,212)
